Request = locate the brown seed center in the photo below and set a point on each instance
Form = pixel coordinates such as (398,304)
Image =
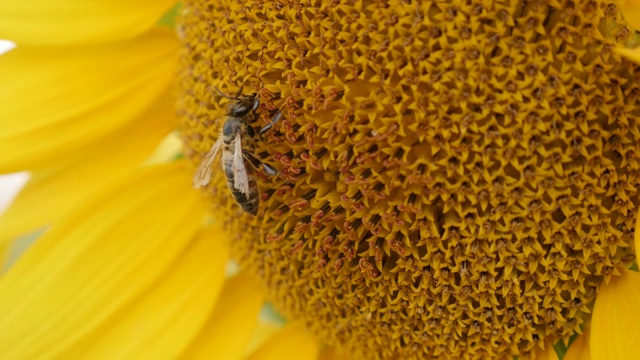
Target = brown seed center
(461,178)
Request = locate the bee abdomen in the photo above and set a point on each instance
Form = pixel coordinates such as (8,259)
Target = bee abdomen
(248,202)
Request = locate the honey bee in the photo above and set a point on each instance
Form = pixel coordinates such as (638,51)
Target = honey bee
(236,141)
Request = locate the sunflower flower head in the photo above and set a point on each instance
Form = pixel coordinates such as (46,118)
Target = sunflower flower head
(455,179)
(458,177)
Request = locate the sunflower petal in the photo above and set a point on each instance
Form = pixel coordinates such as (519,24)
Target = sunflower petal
(630,9)
(10,185)
(615,325)
(631,54)
(548,353)
(636,239)
(231,324)
(102,256)
(82,94)
(162,322)
(292,342)
(57,190)
(170,148)
(44,22)
(579,349)
(264,330)
(12,250)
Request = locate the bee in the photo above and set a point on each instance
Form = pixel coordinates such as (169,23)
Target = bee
(236,141)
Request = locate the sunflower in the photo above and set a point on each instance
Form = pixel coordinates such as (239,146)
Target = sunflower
(456,180)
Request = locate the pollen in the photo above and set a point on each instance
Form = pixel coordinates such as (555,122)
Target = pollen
(457,178)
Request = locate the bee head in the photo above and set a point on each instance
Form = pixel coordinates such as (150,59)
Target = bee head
(240,105)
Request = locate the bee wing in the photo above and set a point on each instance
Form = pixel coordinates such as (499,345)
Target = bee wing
(203,173)
(240,179)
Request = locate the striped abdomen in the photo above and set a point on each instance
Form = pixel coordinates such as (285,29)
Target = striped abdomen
(250,201)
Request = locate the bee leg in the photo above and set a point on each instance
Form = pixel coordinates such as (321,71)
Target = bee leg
(256,104)
(256,163)
(269,170)
(239,92)
(269,125)
(223,94)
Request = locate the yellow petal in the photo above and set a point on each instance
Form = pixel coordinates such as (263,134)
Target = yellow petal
(50,194)
(169,149)
(548,353)
(292,342)
(636,238)
(6,256)
(579,349)
(10,185)
(45,22)
(12,250)
(265,329)
(231,324)
(615,325)
(631,54)
(630,9)
(112,249)
(54,107)
(163,321)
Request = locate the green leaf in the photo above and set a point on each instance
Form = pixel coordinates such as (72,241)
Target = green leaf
(268,312)
(169,18)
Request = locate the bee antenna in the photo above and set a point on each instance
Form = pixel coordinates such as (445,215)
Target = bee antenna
(223,94)
(239,92)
